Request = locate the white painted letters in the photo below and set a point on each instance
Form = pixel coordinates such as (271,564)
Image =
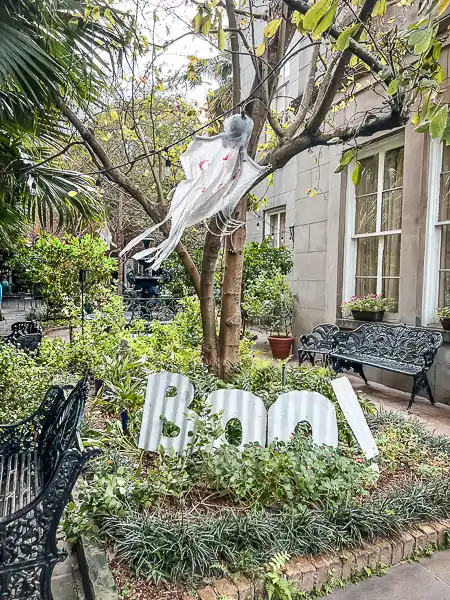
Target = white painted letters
(245,406)
(285,413)
(172,408)
(294,407)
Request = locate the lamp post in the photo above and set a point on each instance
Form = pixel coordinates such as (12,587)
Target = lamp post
(82,282)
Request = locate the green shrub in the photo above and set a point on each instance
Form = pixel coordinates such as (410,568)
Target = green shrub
(283,474)
(23,383)
(56,264)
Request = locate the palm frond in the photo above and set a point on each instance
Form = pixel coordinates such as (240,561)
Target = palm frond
(43,191)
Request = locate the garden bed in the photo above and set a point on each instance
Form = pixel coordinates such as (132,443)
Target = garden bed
(170,522)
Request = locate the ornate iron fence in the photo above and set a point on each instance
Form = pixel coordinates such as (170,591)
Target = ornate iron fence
(161,309)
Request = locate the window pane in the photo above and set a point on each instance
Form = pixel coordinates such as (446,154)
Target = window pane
(390,290)
(365,286)
(444,202)
(444,289)
(366,214)
(391,210)
(445,247)
(369,176)
(274,229)
(282,228)
(393,169)
(391,256)
(367,256)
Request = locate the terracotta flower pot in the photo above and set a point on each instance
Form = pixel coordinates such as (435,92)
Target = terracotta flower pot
(368,315)
(445,324)
(281,346)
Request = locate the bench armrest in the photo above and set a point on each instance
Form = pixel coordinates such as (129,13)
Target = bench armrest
(307,339)
(428,358)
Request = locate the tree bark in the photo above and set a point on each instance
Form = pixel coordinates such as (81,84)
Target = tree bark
(230,308)
(210,345)
(230,314)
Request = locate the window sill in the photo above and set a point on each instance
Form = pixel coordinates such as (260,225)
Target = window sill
(351,324)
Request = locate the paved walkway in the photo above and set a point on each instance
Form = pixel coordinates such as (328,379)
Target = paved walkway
(436,418)
(427,579)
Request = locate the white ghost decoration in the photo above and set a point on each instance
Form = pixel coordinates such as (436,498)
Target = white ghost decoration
(218,172)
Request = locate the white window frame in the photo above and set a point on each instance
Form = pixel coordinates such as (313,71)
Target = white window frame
(350,252)
(432,260)
(277,237)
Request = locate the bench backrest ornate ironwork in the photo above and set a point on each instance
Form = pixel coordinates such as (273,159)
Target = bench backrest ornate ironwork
(320,338)
(20,328)
(39,465)
(398,343)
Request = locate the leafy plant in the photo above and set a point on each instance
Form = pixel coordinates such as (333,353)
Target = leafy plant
(370,303)
(443,313)
(263,260)
(277,586)
(56,264)
(124,384)
(23,382)
(182,548)
(104,495)
(284,474)
(270,302)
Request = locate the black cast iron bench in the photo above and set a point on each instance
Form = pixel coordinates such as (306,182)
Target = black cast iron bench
(40,461)
(319,341)
(398,348)
(25,335)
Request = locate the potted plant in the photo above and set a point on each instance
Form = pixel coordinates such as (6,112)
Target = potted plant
(369,308)
(443,314)
(270,302)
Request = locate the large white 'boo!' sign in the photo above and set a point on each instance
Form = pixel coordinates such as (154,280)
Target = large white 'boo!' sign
(170,394)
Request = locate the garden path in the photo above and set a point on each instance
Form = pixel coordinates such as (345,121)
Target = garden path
(428,578)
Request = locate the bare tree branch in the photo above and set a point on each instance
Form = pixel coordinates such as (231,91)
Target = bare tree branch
(155,211)
(235,62)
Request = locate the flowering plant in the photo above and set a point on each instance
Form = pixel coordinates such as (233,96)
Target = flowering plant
(370,303)
(443,313)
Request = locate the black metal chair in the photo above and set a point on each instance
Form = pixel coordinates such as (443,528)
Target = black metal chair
(26,335)
(20,328)
(39,465)
(319,341)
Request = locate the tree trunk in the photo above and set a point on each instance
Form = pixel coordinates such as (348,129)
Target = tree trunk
(230,314)
(210,346)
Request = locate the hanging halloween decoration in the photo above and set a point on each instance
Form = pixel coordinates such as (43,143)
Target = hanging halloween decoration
(218,172)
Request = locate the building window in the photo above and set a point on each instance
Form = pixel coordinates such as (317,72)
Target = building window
(436,290)
(275,226)
(374,223)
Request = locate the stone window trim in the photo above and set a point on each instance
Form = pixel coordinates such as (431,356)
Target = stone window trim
(379,149)
(437,226)
(275,225)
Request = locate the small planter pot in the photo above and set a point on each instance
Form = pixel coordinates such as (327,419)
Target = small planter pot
(368,315)
(281,346)
(445,324)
